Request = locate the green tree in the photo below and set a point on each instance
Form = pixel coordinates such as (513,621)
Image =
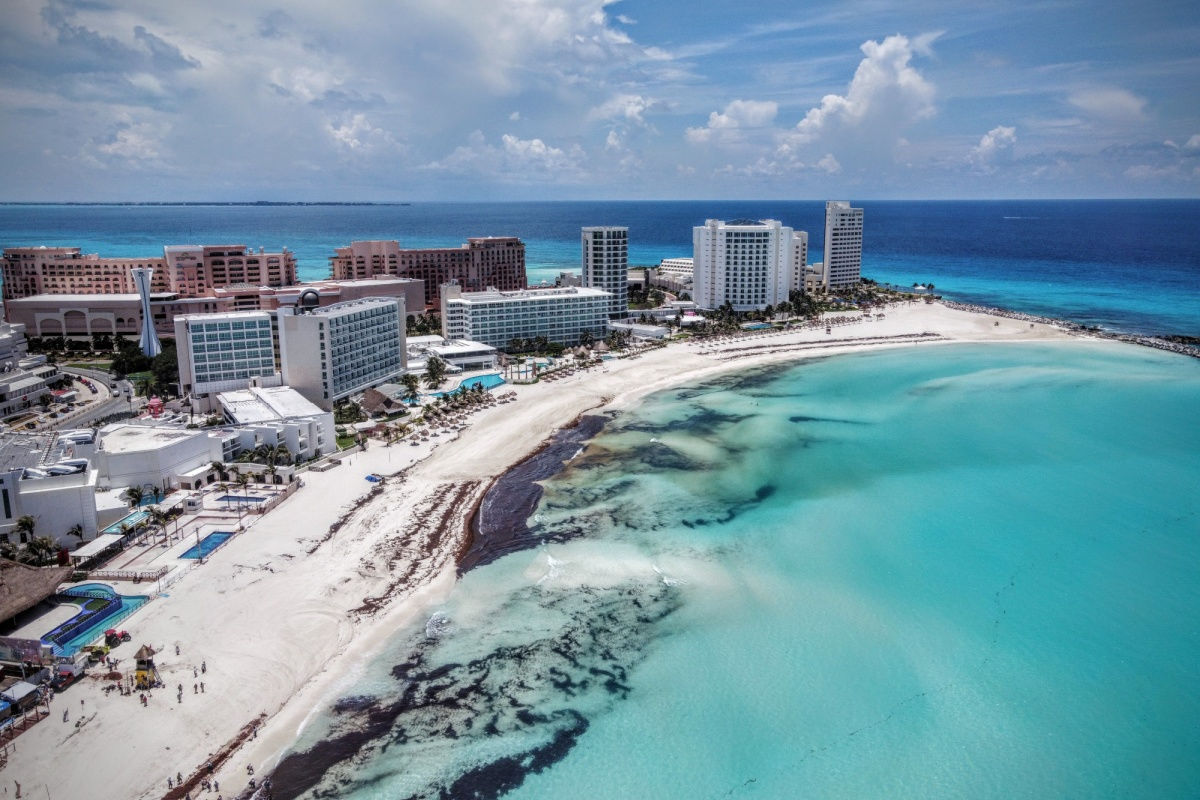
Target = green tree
(40,551)
(133,495)
(75,530)
(165,367)
(412,387)
(586,337)
(435,372)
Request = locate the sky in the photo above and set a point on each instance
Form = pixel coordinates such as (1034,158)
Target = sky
(232,100)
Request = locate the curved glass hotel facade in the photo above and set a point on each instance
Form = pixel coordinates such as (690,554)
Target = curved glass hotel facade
(496,318)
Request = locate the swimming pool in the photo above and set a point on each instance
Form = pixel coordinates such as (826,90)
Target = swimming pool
(486,381)
(129,519)
(233,498)
(207,544)
(88,626)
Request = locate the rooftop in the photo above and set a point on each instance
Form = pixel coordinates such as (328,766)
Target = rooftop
(531,294)
(19,450)
(349,305)
(266,404)
(138,438)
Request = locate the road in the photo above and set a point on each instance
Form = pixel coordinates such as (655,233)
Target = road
(121,391)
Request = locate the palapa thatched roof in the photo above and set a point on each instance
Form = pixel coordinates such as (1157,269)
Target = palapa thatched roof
(23,587)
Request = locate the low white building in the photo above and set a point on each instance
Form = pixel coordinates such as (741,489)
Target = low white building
(496,318)
(278,416)
(640,330)
(37,479)
(151,456)
(461,353)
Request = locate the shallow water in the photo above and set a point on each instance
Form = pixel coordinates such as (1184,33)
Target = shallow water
(962,571)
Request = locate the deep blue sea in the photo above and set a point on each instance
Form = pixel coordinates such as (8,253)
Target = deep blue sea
(1128,265)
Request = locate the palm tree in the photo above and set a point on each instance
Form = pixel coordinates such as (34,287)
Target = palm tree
(435,372)
(243,481)
(160,518)
(133,495)
(412,388)
(75,530)
(25,526)
(219,468)
(40,551)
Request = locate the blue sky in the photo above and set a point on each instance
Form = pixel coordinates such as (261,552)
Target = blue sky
(549,99)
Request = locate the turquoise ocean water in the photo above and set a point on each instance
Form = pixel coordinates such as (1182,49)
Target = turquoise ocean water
(954,571)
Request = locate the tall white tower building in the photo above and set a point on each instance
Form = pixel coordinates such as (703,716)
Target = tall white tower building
(745,263)
(149,339)
(606,265)
(843,243)
(799,259)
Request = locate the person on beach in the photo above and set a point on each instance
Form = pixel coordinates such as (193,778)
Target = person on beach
(195,690)
(179,778)
(201,687)
(204,666)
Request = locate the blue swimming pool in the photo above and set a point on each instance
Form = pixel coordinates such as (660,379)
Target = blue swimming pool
(207,544)
(89,625)
(486,381)
(234,498)
(129,519)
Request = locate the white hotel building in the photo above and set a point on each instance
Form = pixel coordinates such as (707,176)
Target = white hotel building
(496,318)
(606,265)
(745,263)
(843,244)
(333,352)
(223,352)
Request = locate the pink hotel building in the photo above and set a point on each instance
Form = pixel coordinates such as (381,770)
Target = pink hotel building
(59,290)
(484,261)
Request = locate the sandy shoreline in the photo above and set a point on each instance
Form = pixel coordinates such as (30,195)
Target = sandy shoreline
(284,615)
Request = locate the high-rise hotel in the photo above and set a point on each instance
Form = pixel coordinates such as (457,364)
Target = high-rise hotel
(843,244)
(606,265)
(745,263)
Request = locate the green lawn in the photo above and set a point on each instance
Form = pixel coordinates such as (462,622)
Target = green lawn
(102,366)
(345,441)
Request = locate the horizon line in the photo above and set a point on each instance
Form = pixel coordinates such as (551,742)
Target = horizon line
(549,202)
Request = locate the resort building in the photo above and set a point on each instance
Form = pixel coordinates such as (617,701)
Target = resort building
(843,244)
(87,314)
(13,345)
(745,263)
(21,388)
(331,353)
(479,263)
(799,259)
(816,278)
(58,496)
(673,274)
(458,353)
(606,265)
(152,457)
(279,416)
(185,270)
(222,352)
(496,318)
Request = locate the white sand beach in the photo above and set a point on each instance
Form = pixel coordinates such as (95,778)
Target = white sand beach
(282,614)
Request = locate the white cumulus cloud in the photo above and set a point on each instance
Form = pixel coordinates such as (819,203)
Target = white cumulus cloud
(515,159)
(995,145)
(738,115)
(886,91)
